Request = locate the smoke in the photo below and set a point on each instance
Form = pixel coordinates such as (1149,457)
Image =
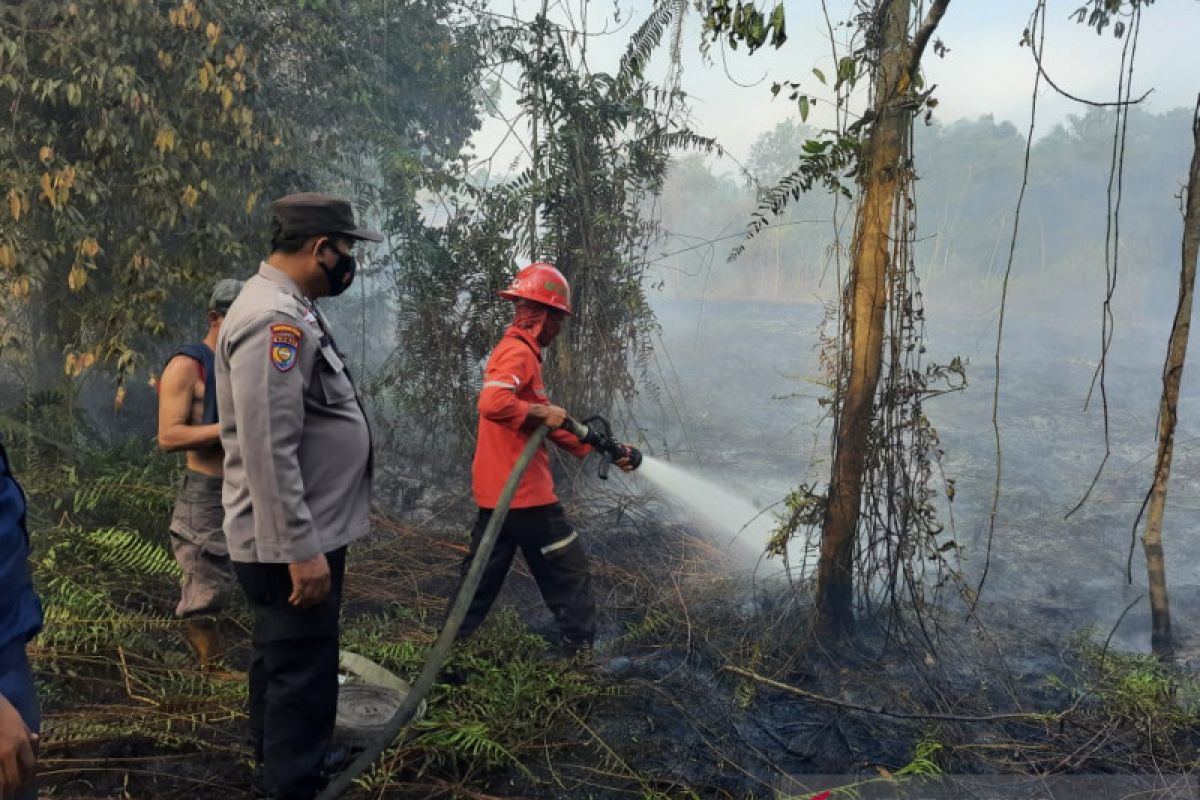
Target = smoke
(731,521)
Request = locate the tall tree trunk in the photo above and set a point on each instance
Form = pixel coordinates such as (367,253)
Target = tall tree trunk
(1160,613)
(871,253)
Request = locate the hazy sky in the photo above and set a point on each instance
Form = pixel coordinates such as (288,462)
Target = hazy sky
(985,71)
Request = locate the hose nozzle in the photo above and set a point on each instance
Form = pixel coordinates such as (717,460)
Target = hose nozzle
(598,433)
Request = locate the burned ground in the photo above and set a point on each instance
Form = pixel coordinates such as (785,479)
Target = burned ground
(130,717)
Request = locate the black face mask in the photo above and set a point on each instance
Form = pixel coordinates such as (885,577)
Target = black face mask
(341,274)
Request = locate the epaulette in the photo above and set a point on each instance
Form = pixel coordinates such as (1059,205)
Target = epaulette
(287,303)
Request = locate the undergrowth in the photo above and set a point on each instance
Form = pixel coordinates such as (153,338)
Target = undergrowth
(509,695)
(1135,691)
(115,675)
(110,663)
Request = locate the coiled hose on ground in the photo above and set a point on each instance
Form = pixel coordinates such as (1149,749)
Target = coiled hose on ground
(441,648)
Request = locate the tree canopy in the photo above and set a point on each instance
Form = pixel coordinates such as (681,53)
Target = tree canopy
(147,136)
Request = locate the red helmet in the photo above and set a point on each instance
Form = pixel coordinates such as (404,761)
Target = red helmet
(541,283)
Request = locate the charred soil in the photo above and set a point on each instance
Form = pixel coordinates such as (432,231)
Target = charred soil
(718,688)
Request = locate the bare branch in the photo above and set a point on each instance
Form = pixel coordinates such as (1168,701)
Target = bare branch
(924,34)
(1049,716)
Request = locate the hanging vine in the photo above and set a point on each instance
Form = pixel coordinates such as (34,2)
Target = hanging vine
(884,485)
(602,150)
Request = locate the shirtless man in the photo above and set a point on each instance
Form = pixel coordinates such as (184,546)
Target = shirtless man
(187,421)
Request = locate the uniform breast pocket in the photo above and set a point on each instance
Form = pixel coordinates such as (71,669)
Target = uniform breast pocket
(335,383)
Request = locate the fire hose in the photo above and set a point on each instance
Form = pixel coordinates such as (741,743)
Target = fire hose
(598,433)
(594,431)
(441,648)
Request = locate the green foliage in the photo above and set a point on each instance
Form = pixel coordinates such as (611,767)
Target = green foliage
(110,654)
(970,167)
(970,171)
(128,550)
(464,742)
(803,509)
(514,694)
(89,730)
(119,490)
(827,161)
(133,125)
(601,149)
(743,22)
(147,135)
(924,764)
(1136,690)
(924,761)
(375,637)
(652,625)
(44,426)
(101,565)
(773,153)
(746,690)
(84,619)
(1100,14)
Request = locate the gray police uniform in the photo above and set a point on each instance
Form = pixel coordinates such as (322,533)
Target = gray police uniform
(297,485)
(297,444)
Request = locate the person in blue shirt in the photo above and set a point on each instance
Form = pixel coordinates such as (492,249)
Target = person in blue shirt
(20,620)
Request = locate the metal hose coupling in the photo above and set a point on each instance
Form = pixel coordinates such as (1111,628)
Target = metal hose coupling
(598,433)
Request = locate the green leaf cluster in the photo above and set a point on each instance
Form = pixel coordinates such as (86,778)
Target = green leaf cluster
(601,150)
(147,136)
(744,22)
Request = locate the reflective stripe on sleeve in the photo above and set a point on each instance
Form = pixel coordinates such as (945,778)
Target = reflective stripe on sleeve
(499,385)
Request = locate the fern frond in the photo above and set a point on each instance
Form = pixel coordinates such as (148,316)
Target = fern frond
(471,742)
(83,619)
(645,41)
(132,490)
(133,552)
(822,162)
(78,730)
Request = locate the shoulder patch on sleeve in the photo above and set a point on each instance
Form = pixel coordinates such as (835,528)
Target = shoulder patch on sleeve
(285,346)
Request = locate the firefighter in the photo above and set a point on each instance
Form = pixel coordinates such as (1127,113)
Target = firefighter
(297,482)
(187,421)
(512,404)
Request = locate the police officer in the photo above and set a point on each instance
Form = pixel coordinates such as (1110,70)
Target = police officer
(187,421)
(297,481)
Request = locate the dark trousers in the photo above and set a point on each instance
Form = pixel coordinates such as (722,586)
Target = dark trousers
(293,677)
(555,557)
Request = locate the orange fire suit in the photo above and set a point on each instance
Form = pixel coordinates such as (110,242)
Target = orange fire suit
(536,524)
(512,382)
